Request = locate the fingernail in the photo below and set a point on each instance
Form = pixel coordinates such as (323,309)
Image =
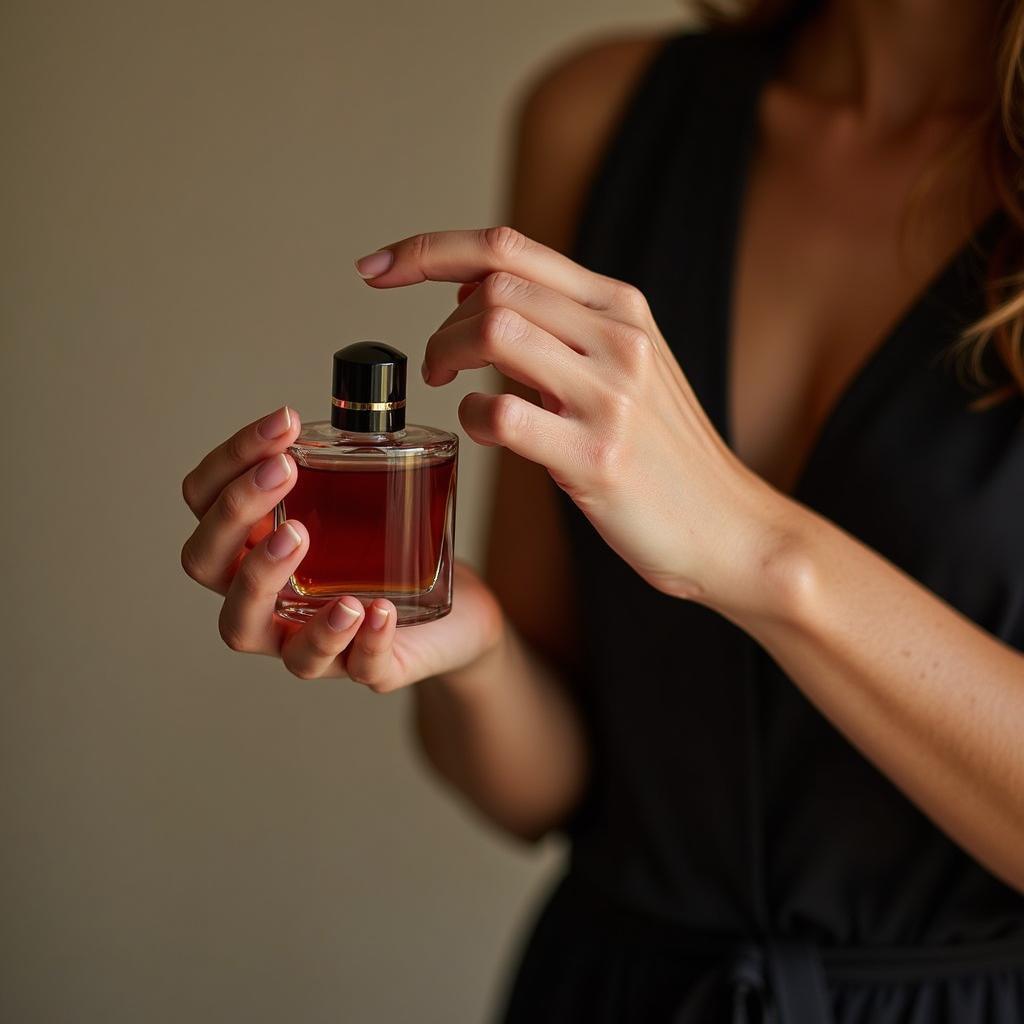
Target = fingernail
(375,264)
(425,372)
(273,473)
(341,617)
(275,424)
(378,616)
(284,541)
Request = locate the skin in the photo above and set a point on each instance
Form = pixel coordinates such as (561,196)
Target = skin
(593,399)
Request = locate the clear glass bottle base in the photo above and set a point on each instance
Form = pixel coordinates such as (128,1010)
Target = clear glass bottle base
(411,608)
(380,513)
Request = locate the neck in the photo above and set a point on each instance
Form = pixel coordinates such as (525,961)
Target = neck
(899,61)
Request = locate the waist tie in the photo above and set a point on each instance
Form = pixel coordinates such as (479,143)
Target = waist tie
(772,979)
(778,982)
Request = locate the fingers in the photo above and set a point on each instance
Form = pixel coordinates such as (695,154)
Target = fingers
(211,552)
(512,344)
(371,660)
(312,651)
(247,620)
(465,256)
(522,427)
(241,451)
(576,326)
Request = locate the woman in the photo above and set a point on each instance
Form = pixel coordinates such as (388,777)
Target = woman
(758,649)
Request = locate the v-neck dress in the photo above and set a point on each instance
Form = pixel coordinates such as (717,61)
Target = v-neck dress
(735,858)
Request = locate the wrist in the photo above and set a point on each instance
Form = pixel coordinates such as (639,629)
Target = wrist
(474,677)
(768,570)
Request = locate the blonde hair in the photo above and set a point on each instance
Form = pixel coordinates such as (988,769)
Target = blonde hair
(1001,126)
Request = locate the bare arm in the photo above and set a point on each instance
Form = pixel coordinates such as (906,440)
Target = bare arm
(503,730)
(933,700)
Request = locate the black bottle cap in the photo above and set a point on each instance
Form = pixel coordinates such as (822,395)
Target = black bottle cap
(369,388)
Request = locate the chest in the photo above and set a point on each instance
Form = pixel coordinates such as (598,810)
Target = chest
(830,255)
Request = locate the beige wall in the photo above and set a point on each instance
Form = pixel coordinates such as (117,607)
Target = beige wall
(187,834)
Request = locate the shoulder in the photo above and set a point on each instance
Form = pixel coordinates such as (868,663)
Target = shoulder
(583,86)
(564,116)
(570,109)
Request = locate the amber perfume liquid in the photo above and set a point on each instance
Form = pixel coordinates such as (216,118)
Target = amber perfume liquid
(380,512)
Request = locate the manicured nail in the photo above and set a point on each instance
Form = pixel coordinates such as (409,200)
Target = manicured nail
(379,616)
(275,424)
(284,541)
(425,372)
(341,617)
(273,473)
(375,264)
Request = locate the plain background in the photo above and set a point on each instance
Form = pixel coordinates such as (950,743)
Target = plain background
(188,834)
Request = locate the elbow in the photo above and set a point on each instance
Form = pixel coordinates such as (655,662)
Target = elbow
(513,816)
(1012,875)
(509,820)
(523,833)
(528,830)
(1012,867)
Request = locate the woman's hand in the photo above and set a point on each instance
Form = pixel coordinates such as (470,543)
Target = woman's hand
(235,551)
(618,426)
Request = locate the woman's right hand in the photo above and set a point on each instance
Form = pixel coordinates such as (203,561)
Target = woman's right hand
(235,551)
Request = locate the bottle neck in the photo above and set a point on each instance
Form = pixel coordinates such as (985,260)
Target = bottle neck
(386,418)
(370,437)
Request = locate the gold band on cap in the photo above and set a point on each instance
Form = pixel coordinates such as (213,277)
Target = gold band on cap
(340,403)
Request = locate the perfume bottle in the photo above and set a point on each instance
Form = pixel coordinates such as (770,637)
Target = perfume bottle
(377,496)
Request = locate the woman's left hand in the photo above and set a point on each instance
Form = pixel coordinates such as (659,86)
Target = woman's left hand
(618,426)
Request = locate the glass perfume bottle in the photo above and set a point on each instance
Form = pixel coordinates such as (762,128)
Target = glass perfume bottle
(376,495)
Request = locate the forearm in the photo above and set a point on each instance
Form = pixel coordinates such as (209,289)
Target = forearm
(504,732)
(933,700)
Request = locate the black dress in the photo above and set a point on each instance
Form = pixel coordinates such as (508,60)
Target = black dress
(735,858)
